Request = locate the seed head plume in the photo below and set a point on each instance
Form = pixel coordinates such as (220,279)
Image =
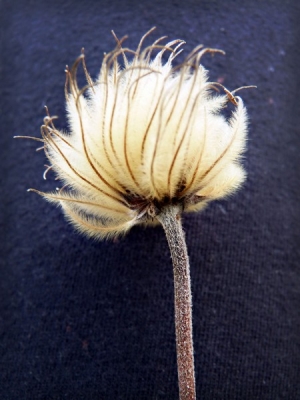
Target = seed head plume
(142,136)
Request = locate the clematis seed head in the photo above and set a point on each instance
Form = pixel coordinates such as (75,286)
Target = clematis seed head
(144,134)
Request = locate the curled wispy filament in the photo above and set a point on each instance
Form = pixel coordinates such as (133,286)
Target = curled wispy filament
(143,135)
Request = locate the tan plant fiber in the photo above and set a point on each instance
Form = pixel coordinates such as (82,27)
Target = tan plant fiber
(142,135)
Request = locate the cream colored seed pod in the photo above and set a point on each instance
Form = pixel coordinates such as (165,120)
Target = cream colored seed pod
(141,136)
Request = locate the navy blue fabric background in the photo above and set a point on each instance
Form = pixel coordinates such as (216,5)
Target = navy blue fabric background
(82,319)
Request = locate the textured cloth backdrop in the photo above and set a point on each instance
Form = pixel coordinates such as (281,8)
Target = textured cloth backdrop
(94,320)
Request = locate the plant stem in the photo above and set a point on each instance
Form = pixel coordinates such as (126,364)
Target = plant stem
(170,219)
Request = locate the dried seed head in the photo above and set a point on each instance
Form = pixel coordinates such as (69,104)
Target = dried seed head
(142,136)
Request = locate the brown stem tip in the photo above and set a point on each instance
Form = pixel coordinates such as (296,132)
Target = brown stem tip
(170,219)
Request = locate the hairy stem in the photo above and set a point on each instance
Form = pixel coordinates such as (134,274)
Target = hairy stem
(170,219)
